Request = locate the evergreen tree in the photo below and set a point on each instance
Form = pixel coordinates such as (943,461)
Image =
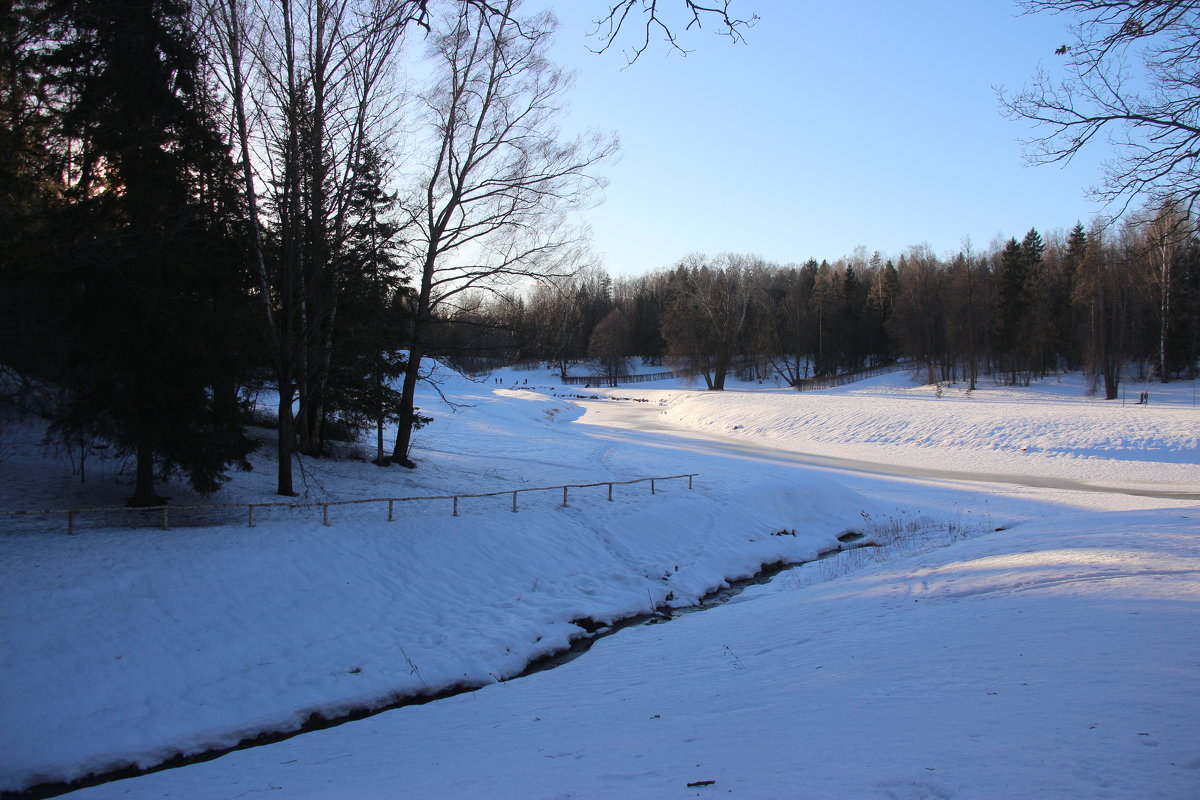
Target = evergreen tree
(826,301)
(1182,352)
(1046,301)
(367,358)
(1013,300)
(147,253)
(852,333)
(1072,267)
(30,191)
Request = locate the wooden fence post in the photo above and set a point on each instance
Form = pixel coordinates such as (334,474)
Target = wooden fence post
(456,505)
(564,497)
(249,515)
(70,523)
(652,486)
(166,518)
(391,503)
(610,493)
(514,502)
(325,511)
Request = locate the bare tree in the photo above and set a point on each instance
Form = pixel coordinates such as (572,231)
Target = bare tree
(609,344)
(919,316)
(1130,79)
(965,312)
(490,207)
(307,82)
(785,340)
(555,320)
(621,15)
(1166,232)
(1101,292)
(709,307)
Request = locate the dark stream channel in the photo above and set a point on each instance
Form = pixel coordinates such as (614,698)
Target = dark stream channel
(598,630)
(593,631)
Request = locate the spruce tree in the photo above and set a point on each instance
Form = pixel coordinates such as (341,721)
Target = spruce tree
(30,191)
(1073,327)
(852,333)
(147,263)
(1013,303)
(367,358)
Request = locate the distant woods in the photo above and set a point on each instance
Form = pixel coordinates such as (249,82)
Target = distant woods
(1106,301)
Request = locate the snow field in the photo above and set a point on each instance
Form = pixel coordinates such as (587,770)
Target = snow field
(1052,660)
(132,645)
(877,673)
(1044,433)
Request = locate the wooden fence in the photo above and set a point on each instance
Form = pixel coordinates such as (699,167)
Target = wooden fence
(614,380)
(841,379)
(805,384)
(165,511)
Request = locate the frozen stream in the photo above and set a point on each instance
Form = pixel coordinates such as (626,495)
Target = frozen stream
(613,420)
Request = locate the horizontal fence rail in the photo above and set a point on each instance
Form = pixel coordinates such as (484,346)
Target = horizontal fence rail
(831,381)
(325,505)
(615,380)
(804,385)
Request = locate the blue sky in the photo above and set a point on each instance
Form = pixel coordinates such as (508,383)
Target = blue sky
(867,123)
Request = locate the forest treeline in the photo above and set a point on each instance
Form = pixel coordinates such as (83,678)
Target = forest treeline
(202,196)
(1106,301)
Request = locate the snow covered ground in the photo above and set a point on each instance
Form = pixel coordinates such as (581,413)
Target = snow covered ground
(1057,657)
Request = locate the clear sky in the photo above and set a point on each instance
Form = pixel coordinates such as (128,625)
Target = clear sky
(841,124)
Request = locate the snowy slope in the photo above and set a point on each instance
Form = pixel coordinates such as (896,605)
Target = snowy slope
(1053,660)
(131,645)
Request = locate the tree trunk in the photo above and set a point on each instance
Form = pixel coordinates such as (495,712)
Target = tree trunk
(720,369)
(282,359)
(407,411)
(286,445)
(143,490)
(380,458)
(1164,311)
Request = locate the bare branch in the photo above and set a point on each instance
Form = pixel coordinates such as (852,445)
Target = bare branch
(1130,81)
(618,18)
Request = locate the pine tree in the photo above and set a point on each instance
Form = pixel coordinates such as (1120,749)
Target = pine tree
(1046,304)
(826,299)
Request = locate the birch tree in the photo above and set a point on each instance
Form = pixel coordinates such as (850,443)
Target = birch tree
(309,86)
(490,204)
